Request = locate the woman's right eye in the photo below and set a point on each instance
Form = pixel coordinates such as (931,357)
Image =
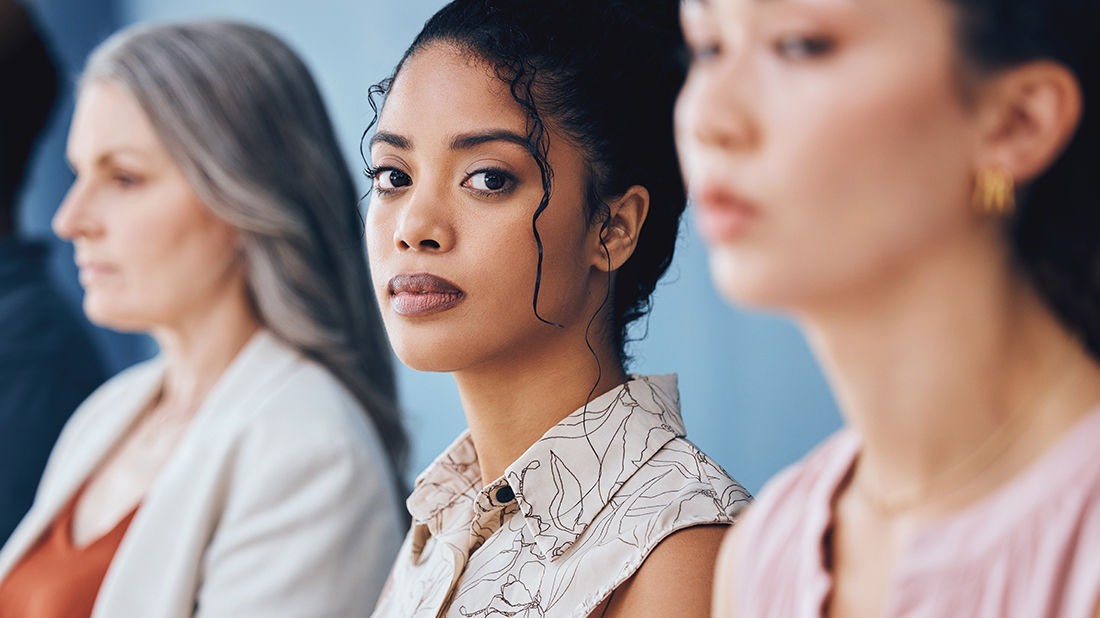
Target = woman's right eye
(798,47)
(702,54)
(125,180)
(391,179)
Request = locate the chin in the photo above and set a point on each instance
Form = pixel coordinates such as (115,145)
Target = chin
(106,316)
(429,354)
(425,362)
(747,283)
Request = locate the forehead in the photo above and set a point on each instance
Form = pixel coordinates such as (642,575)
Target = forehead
(922,27)
(442,89)
(108,118)
(764,4)
(881,9)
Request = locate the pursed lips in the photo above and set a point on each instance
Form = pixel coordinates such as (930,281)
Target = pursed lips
(90,271)
(722,215)
(423,294)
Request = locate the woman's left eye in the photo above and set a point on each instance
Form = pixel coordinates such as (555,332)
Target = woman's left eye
(796,47)
(691,55)
(125,180)
(488,181)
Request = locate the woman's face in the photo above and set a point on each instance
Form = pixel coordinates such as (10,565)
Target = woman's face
(449,231)
(150,253)
(826,143)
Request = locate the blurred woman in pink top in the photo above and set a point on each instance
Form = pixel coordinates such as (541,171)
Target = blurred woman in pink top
(917,182)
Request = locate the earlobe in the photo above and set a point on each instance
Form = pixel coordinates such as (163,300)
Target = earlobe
(619,232)
(1038,109)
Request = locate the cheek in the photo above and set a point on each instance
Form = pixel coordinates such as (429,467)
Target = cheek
(379,234)
(189,239)
(564,284)
(174,259)
(869,178)
(691,112)
(502,258)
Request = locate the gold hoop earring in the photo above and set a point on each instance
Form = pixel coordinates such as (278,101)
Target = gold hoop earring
(994,192)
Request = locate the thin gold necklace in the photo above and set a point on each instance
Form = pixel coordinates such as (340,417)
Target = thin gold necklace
(992,448)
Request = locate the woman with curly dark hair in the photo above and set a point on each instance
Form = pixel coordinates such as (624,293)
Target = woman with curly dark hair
(916,182)
(526,201)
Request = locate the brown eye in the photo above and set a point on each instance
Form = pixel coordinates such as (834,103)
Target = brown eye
(489,181)
(803,47)
(125,180)
(391,179)
(702,54)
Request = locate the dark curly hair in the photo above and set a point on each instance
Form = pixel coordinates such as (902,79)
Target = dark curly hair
(606,74)
(1055,232)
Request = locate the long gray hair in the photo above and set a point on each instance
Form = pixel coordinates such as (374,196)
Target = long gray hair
(240,114)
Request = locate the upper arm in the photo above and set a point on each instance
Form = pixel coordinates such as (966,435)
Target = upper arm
(310,528)
(676,578)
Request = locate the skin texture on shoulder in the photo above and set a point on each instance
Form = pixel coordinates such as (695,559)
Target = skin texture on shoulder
(675,579)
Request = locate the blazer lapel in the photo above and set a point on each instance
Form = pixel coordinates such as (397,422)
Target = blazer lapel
(260,364)
(90,435)
(175,502)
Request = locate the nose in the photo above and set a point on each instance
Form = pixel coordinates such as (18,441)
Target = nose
(713,109)
(423,225)
(75,217)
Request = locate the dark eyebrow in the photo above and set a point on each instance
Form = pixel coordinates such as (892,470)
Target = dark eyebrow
(472,140)
(392,139)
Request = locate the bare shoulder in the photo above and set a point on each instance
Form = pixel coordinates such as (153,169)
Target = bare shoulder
(676,578)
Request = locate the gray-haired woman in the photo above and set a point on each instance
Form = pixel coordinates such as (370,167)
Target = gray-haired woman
(251,468)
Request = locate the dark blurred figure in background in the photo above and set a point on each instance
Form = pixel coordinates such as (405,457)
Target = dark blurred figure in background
(48,364)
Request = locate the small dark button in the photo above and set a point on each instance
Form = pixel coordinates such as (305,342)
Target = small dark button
(505,495)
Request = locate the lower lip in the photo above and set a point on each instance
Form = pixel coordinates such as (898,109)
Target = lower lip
(421,304)
(721,219)
(91,274)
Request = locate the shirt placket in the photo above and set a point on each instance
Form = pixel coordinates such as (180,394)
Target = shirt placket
(493,505)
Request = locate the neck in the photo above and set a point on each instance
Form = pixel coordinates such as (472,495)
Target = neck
(938,359)
(510,404)
(200,346)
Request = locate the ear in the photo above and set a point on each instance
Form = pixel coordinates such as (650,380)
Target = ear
(1032,113)
(619,231)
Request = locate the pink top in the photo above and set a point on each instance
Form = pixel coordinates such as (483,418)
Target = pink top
(1030,549)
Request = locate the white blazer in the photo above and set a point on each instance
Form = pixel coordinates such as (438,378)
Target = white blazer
(278,500)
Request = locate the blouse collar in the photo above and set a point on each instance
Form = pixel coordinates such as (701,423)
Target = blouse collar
(565,478)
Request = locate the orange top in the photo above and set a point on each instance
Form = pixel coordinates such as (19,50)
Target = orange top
(57,580)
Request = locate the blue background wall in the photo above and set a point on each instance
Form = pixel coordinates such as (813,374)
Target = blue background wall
(753,397)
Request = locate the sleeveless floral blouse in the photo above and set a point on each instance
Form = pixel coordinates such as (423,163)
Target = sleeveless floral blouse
(568,522)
